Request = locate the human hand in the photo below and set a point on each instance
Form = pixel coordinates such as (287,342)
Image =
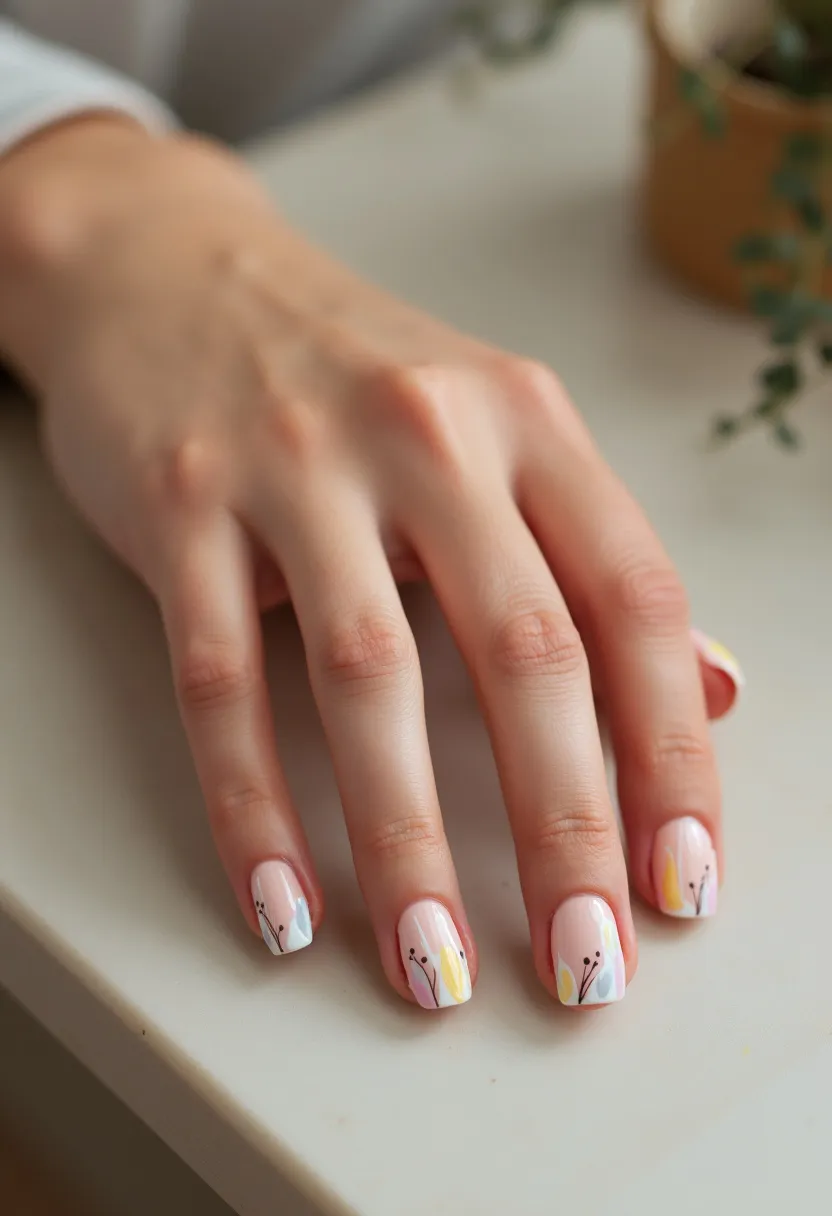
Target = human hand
(242,419)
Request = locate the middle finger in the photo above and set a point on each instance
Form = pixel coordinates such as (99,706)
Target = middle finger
(366,679)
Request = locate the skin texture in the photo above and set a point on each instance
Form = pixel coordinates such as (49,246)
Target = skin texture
(242,420)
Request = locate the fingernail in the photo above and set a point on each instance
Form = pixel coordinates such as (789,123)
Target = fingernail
(435,963)
(685,869)
(281,907)
(719,657)
(586,951)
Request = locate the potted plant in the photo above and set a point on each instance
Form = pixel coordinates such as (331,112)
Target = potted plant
(738,188)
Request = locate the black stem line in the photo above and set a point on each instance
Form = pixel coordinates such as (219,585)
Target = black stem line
(431,982)
(586,980)
(699,896)
(273,932)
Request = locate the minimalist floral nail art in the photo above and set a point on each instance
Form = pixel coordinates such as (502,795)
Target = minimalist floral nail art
(433,957)
(281,907)
(719,657)
(586,952)
(685,869)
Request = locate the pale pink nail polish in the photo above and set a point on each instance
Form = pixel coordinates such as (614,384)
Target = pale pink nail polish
(685,874)
(281,907)
(586,952)
(433,957)
(719,657)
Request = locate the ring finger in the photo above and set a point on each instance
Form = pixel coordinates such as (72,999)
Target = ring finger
(633,612)
(513,627)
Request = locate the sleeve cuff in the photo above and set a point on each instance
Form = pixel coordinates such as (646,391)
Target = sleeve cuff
(45,110)
(41,84)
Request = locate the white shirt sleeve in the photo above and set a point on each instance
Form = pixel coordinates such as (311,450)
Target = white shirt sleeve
(41,84)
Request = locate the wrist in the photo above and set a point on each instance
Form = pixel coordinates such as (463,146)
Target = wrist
(54,187)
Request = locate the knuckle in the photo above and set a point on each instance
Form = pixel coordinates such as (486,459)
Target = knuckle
(652,596)
(188,473)
(536,644)
(412,836)
(537,395)
(214,679)
(418,401)
(293,426)
(583,829)
(184,476)
(231,803)
(373,651)
(535,383)
(676,750)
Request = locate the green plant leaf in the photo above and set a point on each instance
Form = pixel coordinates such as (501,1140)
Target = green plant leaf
(698,92)
(769,301)
(791,184)
(691,85)
(766,247)
(786,436)
(791,42)
(483,24)
(714,122)
(793,318)
(825,352)
(725,427)
(756,247)
(789,328)
(784,378)
(768,406)
(805,148)
(810,210)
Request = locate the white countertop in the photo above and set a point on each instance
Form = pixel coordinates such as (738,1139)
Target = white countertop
(707,1089)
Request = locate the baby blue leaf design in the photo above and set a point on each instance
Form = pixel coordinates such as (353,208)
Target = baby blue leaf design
(302,919)
(603,984)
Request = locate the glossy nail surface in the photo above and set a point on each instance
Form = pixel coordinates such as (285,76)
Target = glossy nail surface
(586,952)
(685,869)
(281,907)
(718,657)
(433,957)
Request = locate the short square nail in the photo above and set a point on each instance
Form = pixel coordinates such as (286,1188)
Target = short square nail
(685,875)
(433,957)
(586,952)
(719,657)
(281,907)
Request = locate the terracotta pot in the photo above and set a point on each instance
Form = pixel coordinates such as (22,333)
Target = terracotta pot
(702,194)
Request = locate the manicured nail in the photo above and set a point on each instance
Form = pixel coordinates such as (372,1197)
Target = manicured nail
(715,655)
(684,869)
(586,951)
(281,907)
(437,970)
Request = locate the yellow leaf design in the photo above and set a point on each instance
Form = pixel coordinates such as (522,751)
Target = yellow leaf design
(671,895)
(566,985)
(608,939)
(723,653)
(453,975)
